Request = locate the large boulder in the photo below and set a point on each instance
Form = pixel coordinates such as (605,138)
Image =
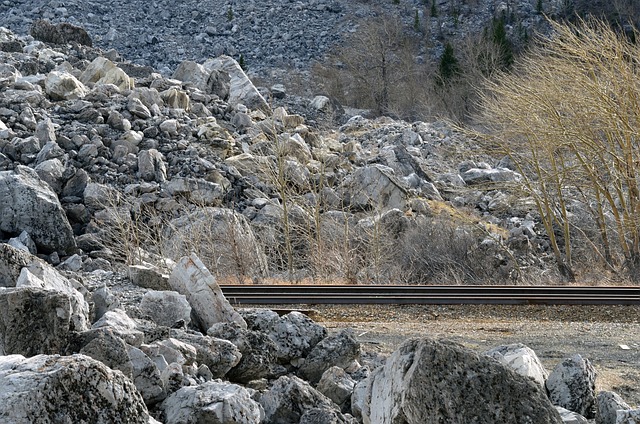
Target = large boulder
(429,381)
(374,186)
(61,85)
(42,276)
(35,321)
(28,204)
(340,350)
(242,90)
(213,402)
(522,360)
(217,354)
(207,80)
(572,385)
(290,398)
(294,334)
(609,403)
(166,308)
(66,389)
(257,349)
(191,278)
(338,386)
(61,33)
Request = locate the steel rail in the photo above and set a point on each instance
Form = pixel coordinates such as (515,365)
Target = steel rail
(435,295)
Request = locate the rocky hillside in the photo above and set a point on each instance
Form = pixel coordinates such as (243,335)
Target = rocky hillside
(112,174)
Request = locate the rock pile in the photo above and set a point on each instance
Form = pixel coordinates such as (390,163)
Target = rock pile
(100,160)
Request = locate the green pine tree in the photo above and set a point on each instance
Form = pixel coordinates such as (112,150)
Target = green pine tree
(499,37)
(242,63)
(416,21)
(448,66)
(434,11)
(229,14)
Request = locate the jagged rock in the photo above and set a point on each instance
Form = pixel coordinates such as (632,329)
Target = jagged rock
(289,398)
(61,33)
(60,85)
(608,405)
(51,171)
(324,416)
(294,334)
(569,417)
(427,381)
(478,176)
(191,278)
(242,90)
(34,321)
(172,350)
(522,360)
(572,385)
(148,278)
(374,186)
(45,131)
(105,346)
(38,274)
(207,80)
(99,196)
(137,108)
(214,402)
(56,389)
(166,308)
(338,386)
(151,166)
(146,376)
(258,353)
(24,242)
(339,350)
(12,260)
(29,204)
(176,99)
(218,355)
(122,325)
(103,301)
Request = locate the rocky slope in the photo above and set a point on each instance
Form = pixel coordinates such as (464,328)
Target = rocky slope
(107,165)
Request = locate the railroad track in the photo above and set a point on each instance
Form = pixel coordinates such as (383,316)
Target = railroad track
(434,295)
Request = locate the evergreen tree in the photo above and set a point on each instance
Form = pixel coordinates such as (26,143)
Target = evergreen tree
(448,66)
(499,37)
(434,11)
(416,22)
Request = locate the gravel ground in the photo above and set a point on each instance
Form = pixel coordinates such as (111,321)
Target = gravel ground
(609,336)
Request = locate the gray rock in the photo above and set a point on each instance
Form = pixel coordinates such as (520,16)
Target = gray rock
(28,204)
(258,353)
(338,386)
(572,385)
(105,346)
(428,381)
(34,321)
(608,404)
(214,402)
(62,33)
(103,301)
(289,398)
(151,166)
(340,350)
(146,376)
(218,355)
(61,389)
(374,186)
(191,278)
(522,360)
(12,260)
(122,325)
(294,334)
(51,171)
(45,131)
(242,90)
(478,176)
(631,416)
(569,417)
(38,274)
(166,308)
(148,277)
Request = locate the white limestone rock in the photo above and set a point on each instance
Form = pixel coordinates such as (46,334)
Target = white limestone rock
(61,85)
(166,308)
(572,385)
(66,389)
(191,278)
(214,402)
(242,90)
(522,360)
